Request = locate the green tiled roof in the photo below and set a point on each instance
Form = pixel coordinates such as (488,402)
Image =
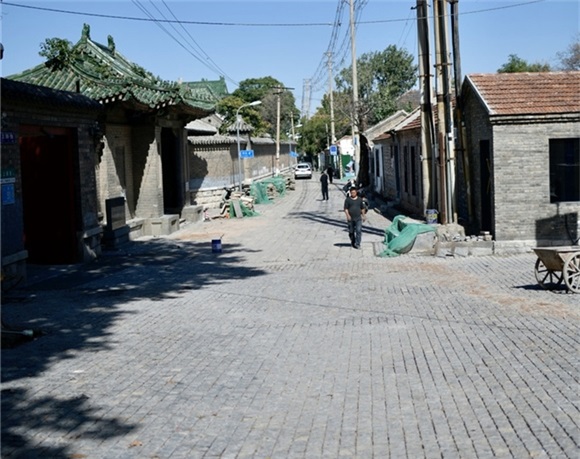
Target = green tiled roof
(102,73)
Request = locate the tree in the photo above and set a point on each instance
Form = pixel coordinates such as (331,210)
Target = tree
(228,107)
(516,64)
(570,59)
(316,131)
(58,53)
(382,78)
(315,134)
(268,89)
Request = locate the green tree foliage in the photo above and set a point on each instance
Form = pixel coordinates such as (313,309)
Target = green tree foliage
(382,76)
(58,53)
(314,134)
(316,131)
(516,64)
(570,58)
(228,107)
(267,89)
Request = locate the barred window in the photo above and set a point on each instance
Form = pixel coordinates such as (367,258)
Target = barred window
(564,170)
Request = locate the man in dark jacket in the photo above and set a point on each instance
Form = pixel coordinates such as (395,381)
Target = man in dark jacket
(355,211)
(324,185)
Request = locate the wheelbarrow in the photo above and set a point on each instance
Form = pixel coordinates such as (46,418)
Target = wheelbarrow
(557,264)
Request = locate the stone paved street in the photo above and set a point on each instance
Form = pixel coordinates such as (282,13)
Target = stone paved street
(291,344)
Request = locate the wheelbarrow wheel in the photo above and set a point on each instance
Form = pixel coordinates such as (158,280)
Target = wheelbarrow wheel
(571,273)
(547,278)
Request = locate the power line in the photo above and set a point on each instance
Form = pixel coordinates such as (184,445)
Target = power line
(162,25)
(249,24)
(174,21)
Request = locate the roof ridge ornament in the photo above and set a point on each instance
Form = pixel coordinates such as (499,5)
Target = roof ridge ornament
(86,35)
(111,44)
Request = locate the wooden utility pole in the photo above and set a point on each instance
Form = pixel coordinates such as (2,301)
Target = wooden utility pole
(278,92)
(460,128)
(331,98)
(334,161)
(427,125)
(444,122)
(355,127)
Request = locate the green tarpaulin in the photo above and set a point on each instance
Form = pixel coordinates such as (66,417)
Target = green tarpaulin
(400,236)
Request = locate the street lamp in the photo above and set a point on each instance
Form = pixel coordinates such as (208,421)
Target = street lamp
(251,104)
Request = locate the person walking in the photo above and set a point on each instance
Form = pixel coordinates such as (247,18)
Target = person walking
(330,172)
(324,185)
(355,211)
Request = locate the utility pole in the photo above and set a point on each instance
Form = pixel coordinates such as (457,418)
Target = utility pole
(306,98)
(427,131)
(355,133)
(444,124)
(460,128)
(331,100)
(278,92)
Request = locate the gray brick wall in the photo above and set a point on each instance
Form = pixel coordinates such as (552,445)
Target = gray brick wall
(522,214)
(16,114)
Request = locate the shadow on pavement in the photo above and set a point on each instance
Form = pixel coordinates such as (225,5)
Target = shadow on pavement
(338,222)
(74,307)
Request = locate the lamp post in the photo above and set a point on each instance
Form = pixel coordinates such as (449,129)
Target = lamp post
(251,104)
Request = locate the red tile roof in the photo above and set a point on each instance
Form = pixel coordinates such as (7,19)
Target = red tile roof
(528,93)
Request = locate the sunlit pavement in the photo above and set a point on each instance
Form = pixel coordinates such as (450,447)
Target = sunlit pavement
(291,344)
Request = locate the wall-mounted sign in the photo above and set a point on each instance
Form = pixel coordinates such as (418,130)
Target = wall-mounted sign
(8,193)
(7,137)
(246,153)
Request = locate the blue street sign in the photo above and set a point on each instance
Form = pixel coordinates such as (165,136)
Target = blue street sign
(246,153)
(293,154)
(333,150)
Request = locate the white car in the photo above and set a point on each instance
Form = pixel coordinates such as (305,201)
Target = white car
(302,170)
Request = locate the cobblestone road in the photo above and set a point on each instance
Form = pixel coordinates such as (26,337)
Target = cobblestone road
(291,344)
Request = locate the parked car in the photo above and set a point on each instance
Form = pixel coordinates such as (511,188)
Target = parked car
(302,170)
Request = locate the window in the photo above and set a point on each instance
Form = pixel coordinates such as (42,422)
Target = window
(405,169)
(564,170)
(413,170)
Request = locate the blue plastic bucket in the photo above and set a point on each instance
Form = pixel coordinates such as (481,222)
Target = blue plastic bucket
(431,216)
(216,245)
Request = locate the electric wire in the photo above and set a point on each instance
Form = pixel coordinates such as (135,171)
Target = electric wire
(162,25)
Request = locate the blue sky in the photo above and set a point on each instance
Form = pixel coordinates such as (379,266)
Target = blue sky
(283,39)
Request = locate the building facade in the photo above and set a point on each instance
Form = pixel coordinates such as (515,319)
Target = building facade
(50,211)
(522,143)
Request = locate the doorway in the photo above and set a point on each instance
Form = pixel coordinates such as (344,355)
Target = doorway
(49,195)
(486,184)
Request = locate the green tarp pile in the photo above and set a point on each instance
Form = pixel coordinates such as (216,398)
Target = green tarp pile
(400,236)
(278,182)
(259,190)
(246,211)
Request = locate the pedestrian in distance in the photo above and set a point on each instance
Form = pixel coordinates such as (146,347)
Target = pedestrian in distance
(355,211)
(324,185)
(330,172)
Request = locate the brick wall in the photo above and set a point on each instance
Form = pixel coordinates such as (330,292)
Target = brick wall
(17,113)
(522,215)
